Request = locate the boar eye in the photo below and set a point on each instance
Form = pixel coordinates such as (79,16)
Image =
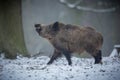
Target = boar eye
(49,27)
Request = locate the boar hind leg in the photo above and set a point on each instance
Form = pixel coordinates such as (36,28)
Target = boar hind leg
(54,57)
(98,57)
(97,54)
(67,54)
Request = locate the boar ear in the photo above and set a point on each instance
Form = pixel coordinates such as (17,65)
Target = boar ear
(55,26)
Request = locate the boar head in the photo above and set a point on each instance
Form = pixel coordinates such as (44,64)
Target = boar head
(47,31)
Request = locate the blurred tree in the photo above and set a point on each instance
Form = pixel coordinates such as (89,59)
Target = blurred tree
(92,5)
(11,33)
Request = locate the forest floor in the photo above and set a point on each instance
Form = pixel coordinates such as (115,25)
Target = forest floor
(35,68)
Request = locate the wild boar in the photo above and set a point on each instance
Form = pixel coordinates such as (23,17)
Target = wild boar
(68,38)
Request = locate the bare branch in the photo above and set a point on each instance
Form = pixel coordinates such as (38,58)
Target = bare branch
(77,6)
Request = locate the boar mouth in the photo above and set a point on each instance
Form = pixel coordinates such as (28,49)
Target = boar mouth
(47,37)
(38,31)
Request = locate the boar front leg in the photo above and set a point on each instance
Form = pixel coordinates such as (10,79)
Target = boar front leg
(54,56)
(67,54)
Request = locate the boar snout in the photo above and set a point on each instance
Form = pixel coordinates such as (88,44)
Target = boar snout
(38,28)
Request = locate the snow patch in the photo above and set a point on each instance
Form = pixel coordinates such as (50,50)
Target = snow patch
(35,68)
(114,53)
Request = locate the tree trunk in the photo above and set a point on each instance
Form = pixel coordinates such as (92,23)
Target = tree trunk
(11,33)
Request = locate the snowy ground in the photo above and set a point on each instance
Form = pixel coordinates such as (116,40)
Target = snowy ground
(82,69)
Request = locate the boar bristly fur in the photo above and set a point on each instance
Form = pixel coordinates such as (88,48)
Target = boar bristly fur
(68,39)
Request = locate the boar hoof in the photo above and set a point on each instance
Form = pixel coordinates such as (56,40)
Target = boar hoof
(98,62)
(70,63)
(49,63)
